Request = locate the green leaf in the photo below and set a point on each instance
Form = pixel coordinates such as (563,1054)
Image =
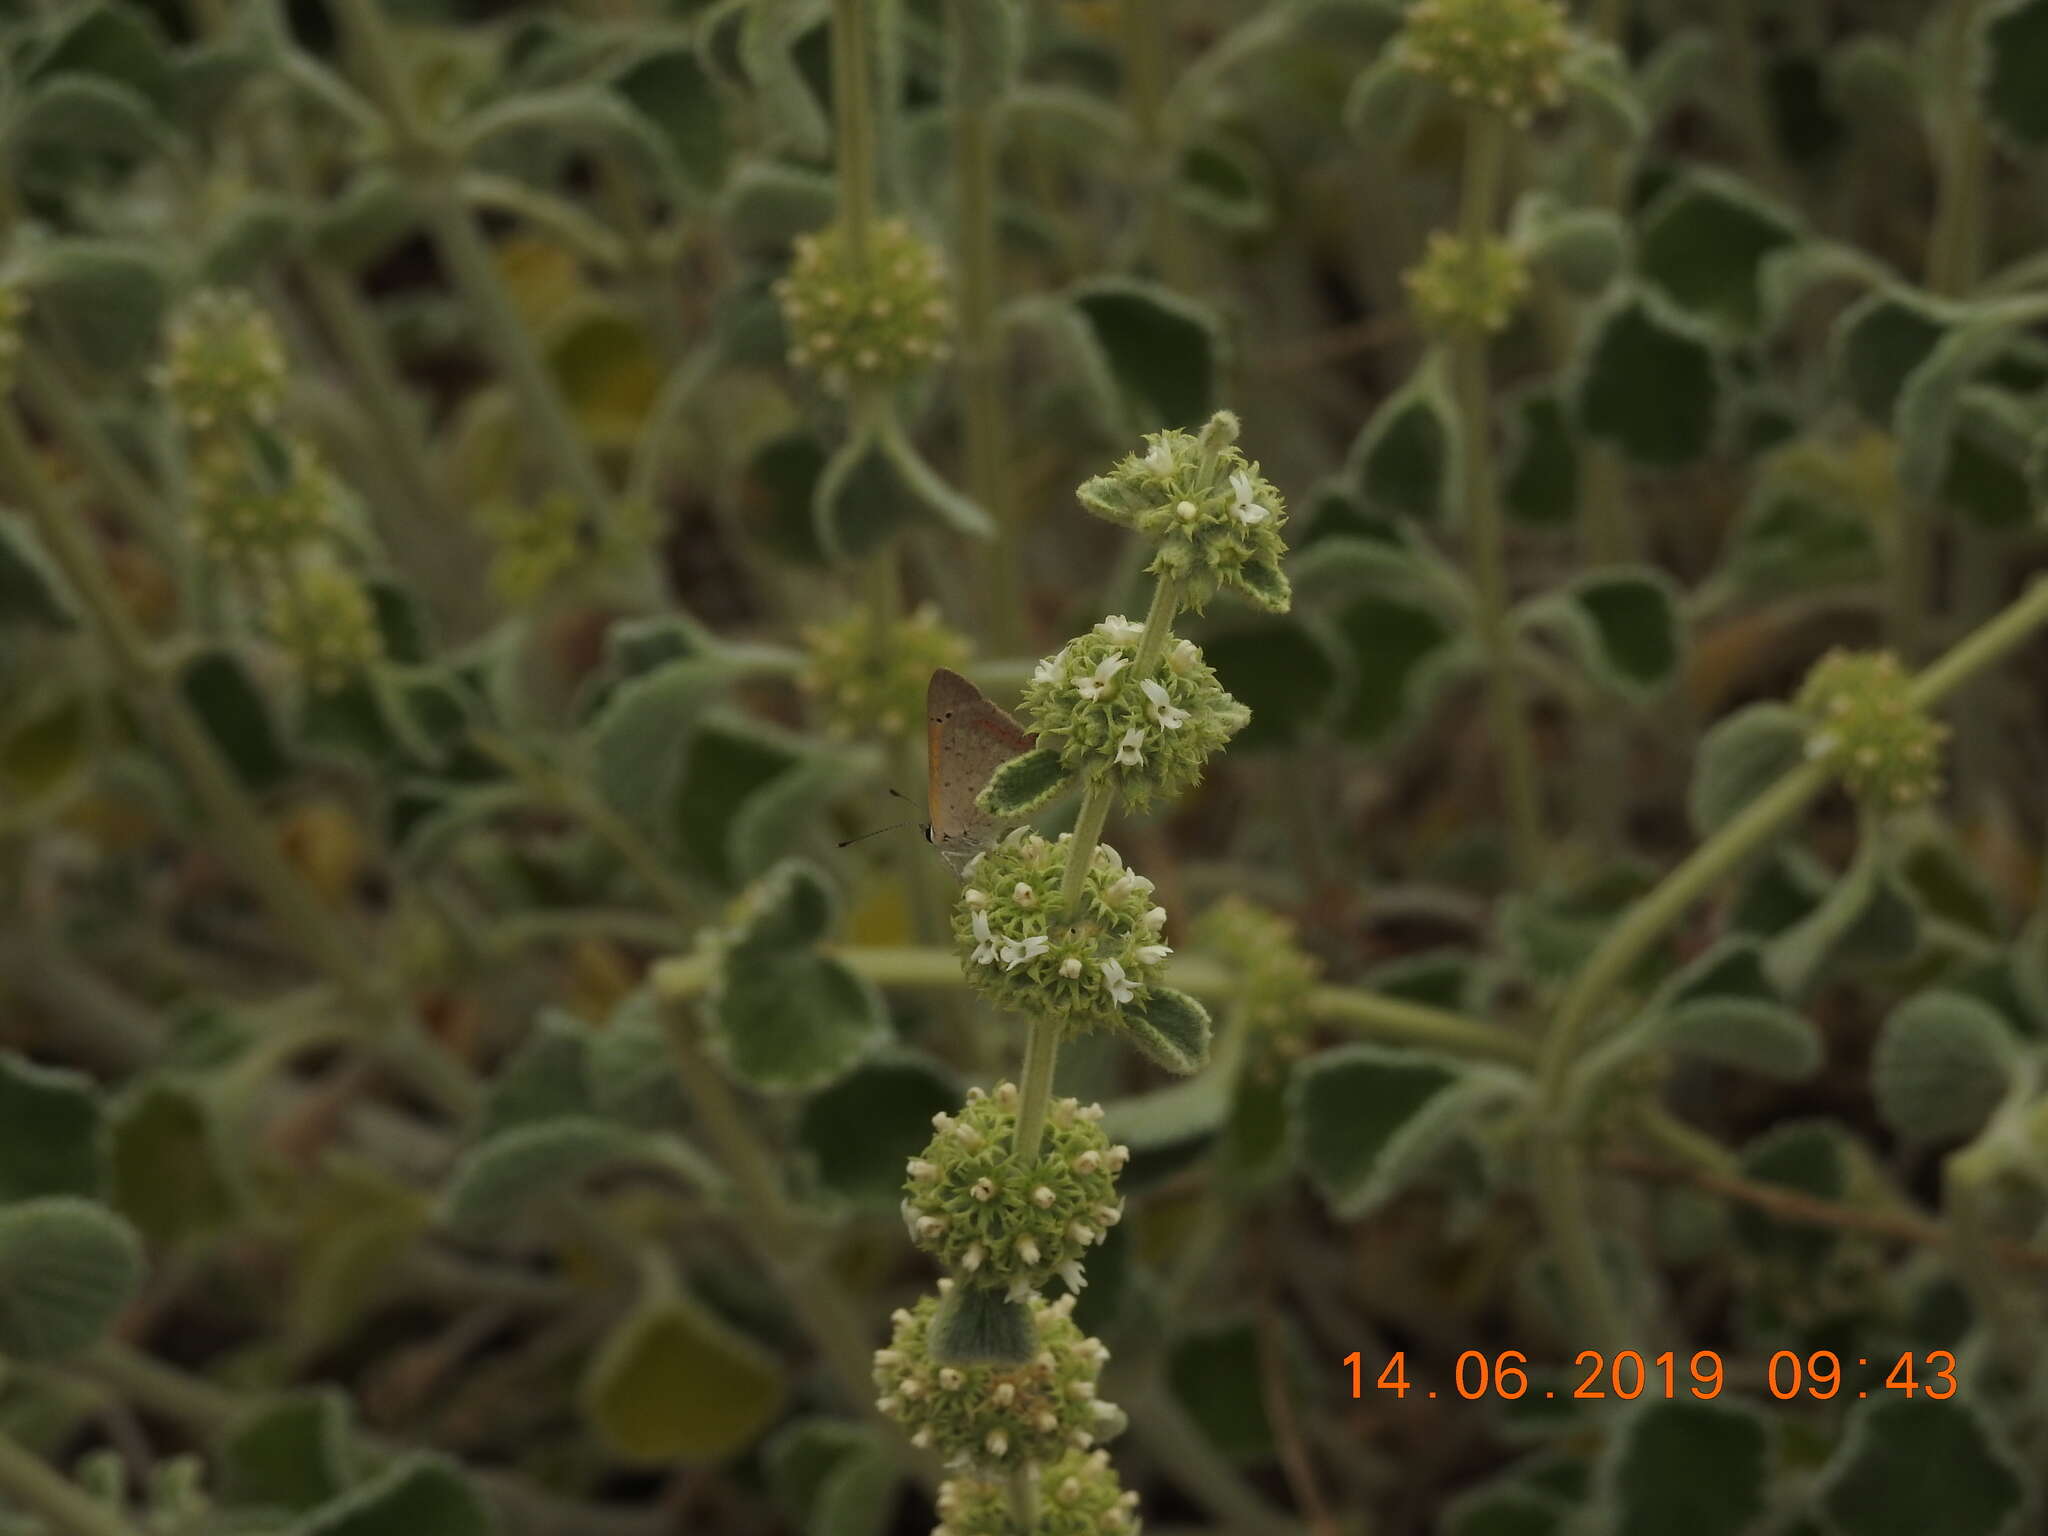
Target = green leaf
(67,1268)
(1876,343)
(1930,400)
(50,1138)
(1809,1157)
(1540,473)
(1703,242)
(1284,670)
(104,299)
(793,1022)
(1216,1374)
(1170,1116)
(1913,1465)
(786,104)
(2015,62)
(1224,181)
(638,739)
(366,222)
(1942,1064)
(116,43)
(1169,1027)
(1598,78)
(747,794)
(173,1175)
(88,112)
(981,1324)
(1024,784)
(1369,1118)
(767,205)
(418,1494)
(861,1131)
(1508,1511)
(500,1177)
(1808,522)
(1623,625)
(1165,350)
(1864,916)
(672,1382)
(289,1453)
(859,1495)
(1723,1008)
(1403,462)
(1688,1469)
(1384,101)
(671,90)
(1739,758)
(631,1067)
(1649,382)
(860,500)
(30,590)
(982,50)
(237,716)
(1986,477)
(801,1458)
(582,115)
(1401,652)
(544,1078)
(930,489)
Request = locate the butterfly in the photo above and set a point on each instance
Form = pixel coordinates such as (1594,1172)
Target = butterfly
(967,738)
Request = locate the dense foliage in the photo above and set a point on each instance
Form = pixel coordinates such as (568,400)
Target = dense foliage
(1505,994)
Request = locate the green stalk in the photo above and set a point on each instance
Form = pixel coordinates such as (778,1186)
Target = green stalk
(435,178)
(51,396)
(1485,160)
(981,406)
(1024,1496)
(853,121)
(40,1489)
(1560,1183)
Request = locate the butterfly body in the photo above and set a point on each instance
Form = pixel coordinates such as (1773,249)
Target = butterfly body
(967,738)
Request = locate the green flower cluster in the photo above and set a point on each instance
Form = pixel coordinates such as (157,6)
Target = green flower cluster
(868,672)
(323,620)
(997,1416)
(1215,518)
(537,546)
(1462,286)
(1271,974)
(1025,951)
(1504,54)
(256,493)
(1079,1495)
(856,323)
(225,363)
(1147,736)
(997,1220)
(1866,725)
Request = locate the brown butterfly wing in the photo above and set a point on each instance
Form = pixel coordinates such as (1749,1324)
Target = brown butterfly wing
(967,738)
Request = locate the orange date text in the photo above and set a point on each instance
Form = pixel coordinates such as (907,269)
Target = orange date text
(1628,1374)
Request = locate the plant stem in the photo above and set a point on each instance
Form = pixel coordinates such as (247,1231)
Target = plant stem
(853,122)
(435,176)
(51,396)
(1041,1055)
(1560,1184)
(39,1488)
(1485,157)
(1024,1496)
(982,423)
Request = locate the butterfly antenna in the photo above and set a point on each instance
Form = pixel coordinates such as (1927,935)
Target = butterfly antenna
(894,827)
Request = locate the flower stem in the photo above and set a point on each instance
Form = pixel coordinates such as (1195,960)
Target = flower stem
(1560,1184)
(1024,1496)
(853,122)
(1485,157)
(39,1488)
(1041,1055)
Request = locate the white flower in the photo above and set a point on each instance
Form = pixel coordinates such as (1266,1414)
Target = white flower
(1184,656)
(1152,954)
(985,946)
(1051,669)
(1120,988)
(1154,918)
(1130,752)
(1015,954)
(1186,511)
(1163,710)
(1105,670)
(1119,630)
(1247,509)
(974,898)
(1071,967)
(1071,1273)
(1023,895)
(1159,459)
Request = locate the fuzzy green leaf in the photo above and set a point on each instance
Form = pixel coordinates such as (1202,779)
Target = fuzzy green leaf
(418,1494)
(1877,342)
(1810,1157)
(638,738)
(1650,383)
(1913,1465)
(173,1174)
(1284,670)
(105,300)
(30,590)
(1404,460)
(1739,758)
(748,792)
(1704,240)
(1584,248)
(1943,1062)
(982,1324)
(1723,1008)
(498,1178)
(1402,652)
(1169,1027)
(631,1069)
(669,88)
(1024,784)
(50,1133)
(672,1382)
(1599,82)
(1217,1375)
(1540,473)
(290,1453)
(1623,624)
(1688,1469)
(237,716)
(1384,100)
(1165,350)
(863,1129)
(2015,55)
(1508,1511)
(1223,180)
(795,1021)
(544,1077)
(67,1267)
(1369,1118)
